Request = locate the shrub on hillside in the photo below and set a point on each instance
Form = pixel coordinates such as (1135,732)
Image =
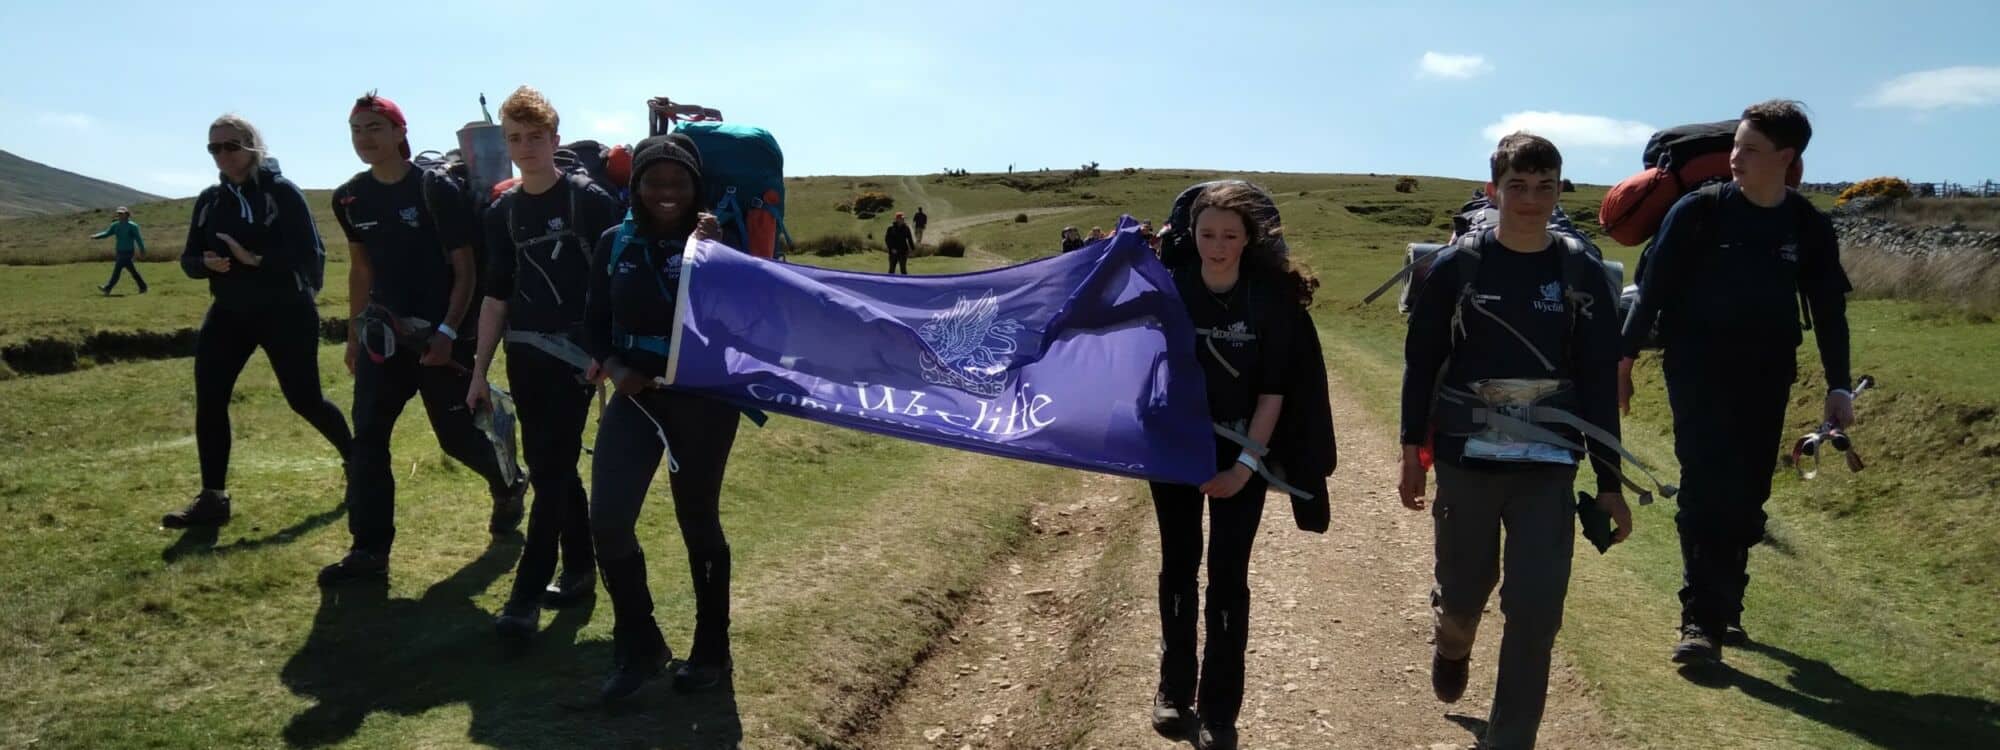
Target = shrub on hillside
(1128,171)
(846,207)
(951,247)
(873,202)
(829,245)
(1889,188)
(1020,218)
(1406,185)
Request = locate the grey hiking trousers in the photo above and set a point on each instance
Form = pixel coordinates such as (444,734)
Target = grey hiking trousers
(1537,508)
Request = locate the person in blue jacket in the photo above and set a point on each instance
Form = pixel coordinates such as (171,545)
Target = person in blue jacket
(127,233)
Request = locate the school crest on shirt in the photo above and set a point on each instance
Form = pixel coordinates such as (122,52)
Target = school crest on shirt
(408,215)
(1238,327)
(1550,297)
(968,347)
(556,224)
(1789,252)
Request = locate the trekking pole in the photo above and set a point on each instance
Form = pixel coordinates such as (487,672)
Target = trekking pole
(1808,445)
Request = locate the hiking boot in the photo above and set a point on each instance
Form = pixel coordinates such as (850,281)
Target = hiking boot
(632,667)
(1734,635)
(104,290)
(1448,677)
(142,290)
(209,509)
(357,567)
(508,508)
(572,588)
(1215,737)
(1172,719)
(1697,646)
(690,677)
(517,623)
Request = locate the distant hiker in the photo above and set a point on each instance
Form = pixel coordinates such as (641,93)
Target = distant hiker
(540,236)
(918,222)
(1152,237)
(1071,239)
(1721,285)
(128,242)
(1096,233)
(1513,318)
(252,236)
(1244,354)
(411,280)
(900,244)
(627,326)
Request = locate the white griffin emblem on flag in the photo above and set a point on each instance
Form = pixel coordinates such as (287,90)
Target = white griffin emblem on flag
(968,347)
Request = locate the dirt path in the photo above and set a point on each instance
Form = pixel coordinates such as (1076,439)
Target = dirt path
(1059,648)
(932,205)
(956,223)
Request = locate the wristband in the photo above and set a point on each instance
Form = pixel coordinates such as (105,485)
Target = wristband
(447,332)
(1248,460)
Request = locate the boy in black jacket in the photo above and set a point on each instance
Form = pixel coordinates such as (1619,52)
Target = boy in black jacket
(1722,283)
(412,278)
(1511,317)
(539,240)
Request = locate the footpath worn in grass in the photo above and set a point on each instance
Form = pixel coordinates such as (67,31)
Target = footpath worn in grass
(850,553)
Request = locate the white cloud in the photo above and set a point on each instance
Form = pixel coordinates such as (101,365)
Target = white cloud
(1572,130)
(1944,88)
(1442,65)
(68,120)
(612,126)
(175,180)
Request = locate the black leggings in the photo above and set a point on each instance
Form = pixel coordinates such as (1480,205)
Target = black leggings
(1233,527)
(552,405)
(700,432)
(289,335)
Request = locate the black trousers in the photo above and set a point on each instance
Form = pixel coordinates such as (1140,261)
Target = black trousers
(700,433)
(1232,529)
(552,405)
(122,264)
(381,390)
(289,336)
(1729,420)
(899,260)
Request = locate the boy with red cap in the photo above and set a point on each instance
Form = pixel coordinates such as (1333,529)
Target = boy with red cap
(900,244)
(411,280)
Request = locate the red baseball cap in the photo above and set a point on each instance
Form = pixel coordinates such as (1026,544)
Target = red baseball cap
(381,105)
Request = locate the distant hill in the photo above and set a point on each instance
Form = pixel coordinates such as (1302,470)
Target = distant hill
(28,188)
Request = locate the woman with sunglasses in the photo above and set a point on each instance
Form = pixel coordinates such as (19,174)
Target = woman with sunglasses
(253,238)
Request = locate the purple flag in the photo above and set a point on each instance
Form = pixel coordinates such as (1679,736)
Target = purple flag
(1085,360)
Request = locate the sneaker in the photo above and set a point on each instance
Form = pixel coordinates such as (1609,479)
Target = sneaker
(508,508)
(1211,737)
(1448,677)
(1697,646)
(1172,720)
(209,509)
(142,290)
(517,623)
(629,673)
(1734,635)
(104,290)
(570,589)
(690,677)
(358,566)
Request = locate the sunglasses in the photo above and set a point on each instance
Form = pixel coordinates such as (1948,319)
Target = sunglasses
(229,146)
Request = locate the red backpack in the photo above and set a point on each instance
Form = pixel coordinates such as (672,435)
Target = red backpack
(1678,161)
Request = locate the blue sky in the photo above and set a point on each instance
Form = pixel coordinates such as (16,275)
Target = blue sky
(125,90)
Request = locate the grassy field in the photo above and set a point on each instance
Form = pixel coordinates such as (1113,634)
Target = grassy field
(1875,608)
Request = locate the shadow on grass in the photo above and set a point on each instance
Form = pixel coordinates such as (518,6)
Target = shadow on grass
(1884,718)
(368,653)
(201,541)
